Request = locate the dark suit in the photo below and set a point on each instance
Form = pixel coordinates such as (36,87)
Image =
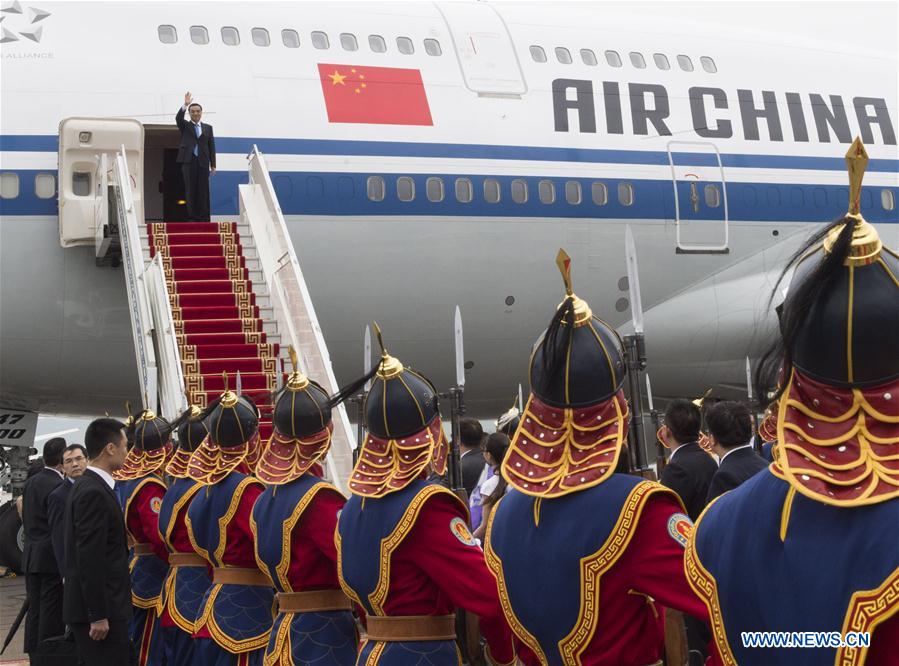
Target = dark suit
(56,516)
(735,468)
(472,464)
(689,473)
(98,585)
(195,167)
(42,582)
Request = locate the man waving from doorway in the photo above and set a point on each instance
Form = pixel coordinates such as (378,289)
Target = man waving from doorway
(196,155)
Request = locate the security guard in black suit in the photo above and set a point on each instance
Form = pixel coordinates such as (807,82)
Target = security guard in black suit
(196,155)
(97,595)
(690,469)
(730,429)
(43,584)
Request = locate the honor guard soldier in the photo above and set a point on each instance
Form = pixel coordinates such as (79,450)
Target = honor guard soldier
(235,619)
(405,553)
(810,544)
(584,558)
(140,489)
(293,522)
(188,579)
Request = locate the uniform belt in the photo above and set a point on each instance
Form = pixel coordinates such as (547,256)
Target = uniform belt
(239,576)
(186,560)
(411,627)
(312,601)
(142,549)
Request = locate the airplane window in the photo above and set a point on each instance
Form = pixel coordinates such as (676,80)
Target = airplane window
(320,40)
(348,41)
(887,200)
(547,191)
(600,193)
(661,61)
(345,188)
(405,188)
(260,37)
(45,185)
(377,44)
(685,63)
(315,187)
(519,191)
(712,196)
(563,55)
(463,190)
(432,47)
(637,60)
(708,65)
(588,57)
(230,36)
(199,34)
(820,197)
(9,185)
(167,34)
(405,46)
(374,187)
(81,183)
(491,190)
(613,58)
(573,192)
(434,189)
(625,194)
(290,39)
(538,54)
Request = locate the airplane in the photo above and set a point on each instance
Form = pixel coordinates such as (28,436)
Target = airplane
(484,137)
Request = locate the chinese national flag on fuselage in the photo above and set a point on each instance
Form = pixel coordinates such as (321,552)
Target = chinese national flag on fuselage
(377,95)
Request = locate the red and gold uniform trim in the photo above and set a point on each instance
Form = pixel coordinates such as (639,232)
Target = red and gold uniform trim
(167,599)
(283,567)
(211,463)
(387,465)
(286,458)
(868,609)
(706,589)
(393,541)
(557,450)
(839,446)
(141,602)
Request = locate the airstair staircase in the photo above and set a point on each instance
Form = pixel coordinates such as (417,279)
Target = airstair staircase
(214,303)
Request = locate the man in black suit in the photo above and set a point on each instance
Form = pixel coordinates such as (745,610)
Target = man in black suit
(690,469)
(471,457)
(689,473)
(97,602)
(196,155)
(74,460)
(730,430)
(43,586)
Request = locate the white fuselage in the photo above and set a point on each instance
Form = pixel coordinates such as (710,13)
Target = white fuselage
(751,151)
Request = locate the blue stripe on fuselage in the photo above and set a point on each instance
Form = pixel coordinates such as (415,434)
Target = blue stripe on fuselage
(344,194)
(275,146)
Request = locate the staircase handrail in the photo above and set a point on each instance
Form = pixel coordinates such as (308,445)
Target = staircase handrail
(172,398)
(138,307)
(278,258)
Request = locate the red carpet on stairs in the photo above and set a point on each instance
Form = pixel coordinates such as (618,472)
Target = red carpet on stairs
(214,308)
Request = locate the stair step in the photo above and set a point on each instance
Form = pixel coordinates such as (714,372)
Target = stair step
(257,382)
(214,300)
(212,238)
(193,227)
(183,275)
(204,350)
(207,262)
(216,366)
(219,326)
(193,251)
(183,287)
(218,312)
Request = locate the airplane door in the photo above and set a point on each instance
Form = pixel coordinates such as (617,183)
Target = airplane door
(82,194)
(700,197)
(484,49)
